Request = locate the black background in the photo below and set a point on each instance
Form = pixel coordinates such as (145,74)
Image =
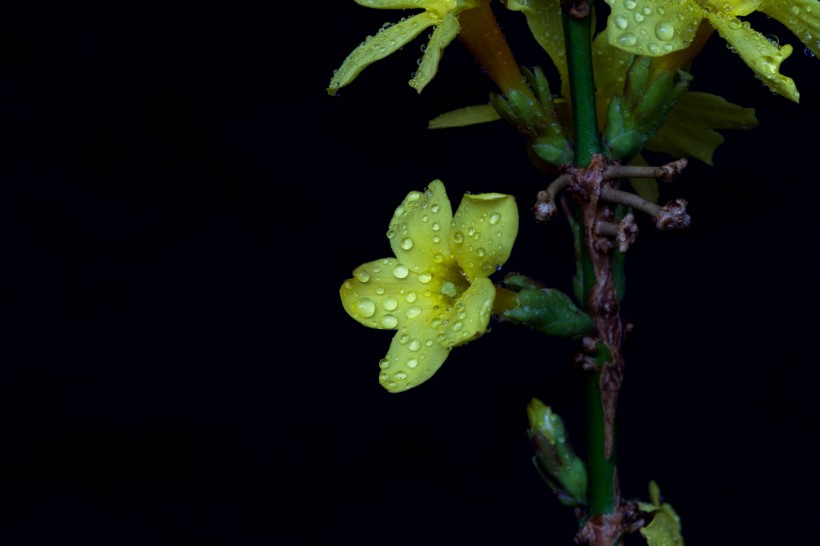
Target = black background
(181,202)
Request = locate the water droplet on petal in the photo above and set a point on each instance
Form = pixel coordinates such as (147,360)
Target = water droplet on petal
(365,307)
(362,276)
(384,363)
(399,376)
(415,345)
(401,271)
(458,326)
(390,304)
(449,289)
(494,218)
(458,237)
(407,243)
(436,226)
(410,297)
(413,311)
(424,278)
(389,321)
(627,39)
(621,22)
(412,363)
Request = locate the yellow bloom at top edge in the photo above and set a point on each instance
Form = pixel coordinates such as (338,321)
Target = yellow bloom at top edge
(654,28)
(442,15)
(435,292)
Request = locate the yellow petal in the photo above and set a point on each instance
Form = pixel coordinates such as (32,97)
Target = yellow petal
(689,130)
(544,20)
(759,54)
(663,530)
(609,67)
(420,229)
(462,117)
(385,294)
(647,27)
(414,356)
(802,17)
(445,32)
(469,317)
(731,7)
(378,47)
(484,229)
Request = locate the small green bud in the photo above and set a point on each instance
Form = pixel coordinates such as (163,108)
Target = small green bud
(548,310)
(554,456)
(535,116)
(641,111)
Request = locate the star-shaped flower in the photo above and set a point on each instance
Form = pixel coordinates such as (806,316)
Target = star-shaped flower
(442,15)
(654,28)
(436,292)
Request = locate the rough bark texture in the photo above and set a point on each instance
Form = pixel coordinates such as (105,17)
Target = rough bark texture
(602,299)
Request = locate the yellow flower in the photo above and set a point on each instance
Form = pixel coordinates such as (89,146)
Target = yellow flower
(440,14)
(665,527)
(654,28)
(436,292)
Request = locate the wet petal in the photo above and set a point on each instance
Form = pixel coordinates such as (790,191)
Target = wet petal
(414,356)
(385,294)
(445,32)
(647,27)
(420,229)
(802,17)
(759,54)
(732,7)
(484,229)
(544,20)
(469,317)
(378,47)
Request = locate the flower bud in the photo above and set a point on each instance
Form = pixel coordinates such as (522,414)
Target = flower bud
(554,457)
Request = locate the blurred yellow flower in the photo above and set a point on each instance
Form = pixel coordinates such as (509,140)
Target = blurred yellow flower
(436,292)
(654,28)
(442,15)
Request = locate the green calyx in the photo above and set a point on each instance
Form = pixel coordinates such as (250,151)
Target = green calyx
(547,310)
(535,116)
(634,117)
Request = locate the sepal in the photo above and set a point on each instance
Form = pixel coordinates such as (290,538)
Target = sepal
(634,117)
(547,310)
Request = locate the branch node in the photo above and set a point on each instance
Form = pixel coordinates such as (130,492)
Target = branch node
(672,216)
(545,207)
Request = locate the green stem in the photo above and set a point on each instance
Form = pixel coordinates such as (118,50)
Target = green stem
(578,38)
(601,470)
